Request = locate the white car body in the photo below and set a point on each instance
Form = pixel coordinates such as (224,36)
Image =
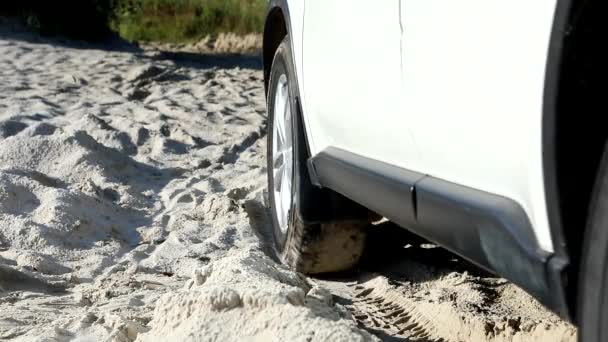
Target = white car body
(444,117)
(431,101)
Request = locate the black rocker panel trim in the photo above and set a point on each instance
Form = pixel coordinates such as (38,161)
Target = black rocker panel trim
(565,280)
(491,231)
(383,188)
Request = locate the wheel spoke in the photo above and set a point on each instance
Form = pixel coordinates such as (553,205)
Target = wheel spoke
(280,115)
(286,117)
(279,159)
(275,147)
(288,155)
(278,177)
(286,192)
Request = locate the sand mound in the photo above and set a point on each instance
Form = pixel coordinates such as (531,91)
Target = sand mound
(249,297)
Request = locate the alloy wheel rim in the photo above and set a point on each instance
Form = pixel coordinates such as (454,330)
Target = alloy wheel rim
(282,152)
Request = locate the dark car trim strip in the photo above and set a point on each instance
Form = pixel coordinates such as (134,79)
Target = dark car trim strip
(553,76)
(489,230)
(381,187)
(274,5)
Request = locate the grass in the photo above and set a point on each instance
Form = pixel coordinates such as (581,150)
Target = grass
(185,20)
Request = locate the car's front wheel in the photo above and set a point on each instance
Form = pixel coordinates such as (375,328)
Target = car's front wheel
(309,233)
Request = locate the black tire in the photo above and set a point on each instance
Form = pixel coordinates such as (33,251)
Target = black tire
(318,238)
(592,313)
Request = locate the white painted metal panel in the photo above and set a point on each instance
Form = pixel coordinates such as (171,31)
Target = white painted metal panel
(474,74)
(352,79)
(462,102)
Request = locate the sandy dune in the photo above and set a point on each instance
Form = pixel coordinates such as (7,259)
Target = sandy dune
(131,208)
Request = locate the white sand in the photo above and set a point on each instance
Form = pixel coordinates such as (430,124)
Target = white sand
(121,177)
(131,207)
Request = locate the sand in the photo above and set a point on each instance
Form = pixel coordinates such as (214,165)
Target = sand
(132,208)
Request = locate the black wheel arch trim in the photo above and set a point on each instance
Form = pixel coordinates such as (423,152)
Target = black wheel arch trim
(489,230)
(553,79)
(267,53)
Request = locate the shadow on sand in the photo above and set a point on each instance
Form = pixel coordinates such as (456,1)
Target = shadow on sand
(399,255)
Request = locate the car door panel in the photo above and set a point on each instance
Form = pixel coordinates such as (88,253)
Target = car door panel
(473,85)
(352,79)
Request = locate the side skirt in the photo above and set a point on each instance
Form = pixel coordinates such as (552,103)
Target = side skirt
(489,230)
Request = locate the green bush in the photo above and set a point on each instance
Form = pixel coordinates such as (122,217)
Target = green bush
(160,20)
(186,20)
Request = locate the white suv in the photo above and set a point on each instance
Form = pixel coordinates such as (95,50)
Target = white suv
(475,124)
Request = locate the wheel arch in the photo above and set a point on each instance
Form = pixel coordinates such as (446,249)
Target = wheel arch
(276,27)
(573,137)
